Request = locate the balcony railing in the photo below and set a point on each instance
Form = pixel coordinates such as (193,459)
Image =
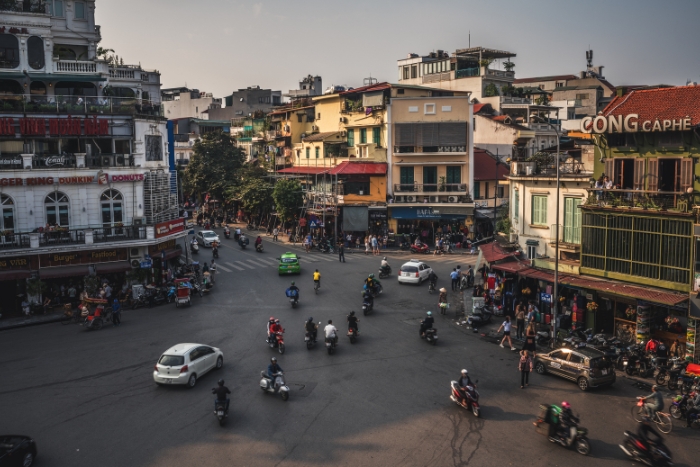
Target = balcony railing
(10,240)
(118,234)
(567,234)
(467,73)
(75,66)
(525,168)
(431,188)
(87,105)
(515,100)
(642,199)
(67,236)
(437,77)
(117,73)
(500,73)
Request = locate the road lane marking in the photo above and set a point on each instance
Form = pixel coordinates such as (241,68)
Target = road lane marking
(218,266)
(267,261)
(234,266)
(324,258)
(257,264)
(243,264)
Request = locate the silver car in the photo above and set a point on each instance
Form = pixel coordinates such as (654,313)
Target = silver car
(207,237)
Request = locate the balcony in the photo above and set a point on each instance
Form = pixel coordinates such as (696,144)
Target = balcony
(467,73)
(515,100)
(459,188)
(532,169)
(81,105)
(456,198)
(76,67)
(437,77)
(10,240)
(642,200)
(500,74)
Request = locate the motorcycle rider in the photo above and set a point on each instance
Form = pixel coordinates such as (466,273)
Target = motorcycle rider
(269,325)
(352,322)
(463,382)
(221,396)
(432,279)
(372,283)
(644,431)
(193,242)
(655,402)
(427,323)
(311,328)
(367,297)
(384,266)
(317,278)
(566,421)
(331,331)
(258,242)
(694,410)
(272,370)
(295,289)
(274,329)
(215,249)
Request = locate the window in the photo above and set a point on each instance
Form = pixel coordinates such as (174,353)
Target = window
(407,178)
(57,206)
(356,188)
(500,193)
(35,52)
(56,8)
(559,355)
(560,84)
(7,222)
(414,71)
(572,221)
(400,91)
(363,135)
(539,210)
(319,116)
(477,190)
(454,176)
(516,204)
(79,10)
(376,133)
(318,152)
(9,51)
(429,109)
(308,153)
(582,97)
(575,359)
(351,138)
(406,73)
(531,252)
(112,208)
(429,178)
(154,148)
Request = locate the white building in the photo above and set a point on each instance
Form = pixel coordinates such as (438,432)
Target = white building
(188,103)
(84,172)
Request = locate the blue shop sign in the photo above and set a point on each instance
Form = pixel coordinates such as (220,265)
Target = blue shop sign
(427,213)
(545,298)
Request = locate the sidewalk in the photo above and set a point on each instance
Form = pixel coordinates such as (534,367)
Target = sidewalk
(33,320)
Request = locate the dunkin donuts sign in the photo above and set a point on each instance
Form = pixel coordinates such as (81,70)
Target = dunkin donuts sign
(170,227)
(101,178)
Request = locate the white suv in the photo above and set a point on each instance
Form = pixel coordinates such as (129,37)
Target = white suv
(414,272)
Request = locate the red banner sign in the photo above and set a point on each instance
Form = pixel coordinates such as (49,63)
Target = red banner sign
(170,227)
(91,126)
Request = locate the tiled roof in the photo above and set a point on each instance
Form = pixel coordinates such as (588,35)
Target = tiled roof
(359,168)
(663,104)
(479,107)
(492,252)
(512,266)
(304,170)
(370,88)
(485,167)
(537,79)
(319,136)
(290,109)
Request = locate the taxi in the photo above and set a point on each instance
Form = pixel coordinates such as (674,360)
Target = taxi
(289,264)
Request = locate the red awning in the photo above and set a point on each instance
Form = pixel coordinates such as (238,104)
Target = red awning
(359,168)
(493,252)
(109,268)
(64,271)
(512,267)
(15,275)
(304,170)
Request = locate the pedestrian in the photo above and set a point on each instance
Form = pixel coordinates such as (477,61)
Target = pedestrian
(530,340)
(375,245)
(275,233)
(454,275)
(470,277)
(519,321)
(525,367)
(367,245)
(532,312)
(341,252)
(108,292)
(71,295)
(506,332)
(116,313)
(212,271)
(348,241)
(437,247)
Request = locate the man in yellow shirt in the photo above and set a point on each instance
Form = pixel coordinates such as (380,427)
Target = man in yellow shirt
(317,279)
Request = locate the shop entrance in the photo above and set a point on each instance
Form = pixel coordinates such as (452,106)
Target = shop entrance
(10,303)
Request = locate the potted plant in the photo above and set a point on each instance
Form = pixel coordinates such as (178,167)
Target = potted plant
(442,185)
(36,287)
(591,306)
(508,65)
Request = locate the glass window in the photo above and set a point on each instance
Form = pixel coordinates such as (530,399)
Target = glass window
(79,10)
(407,174)
(112,208)
(57,206)
(7,222)
(9,51)
(575,359)
(35,52)
(351,138)
(363,135)
(539,210)
(454,174)
(56,8)
(376,134)
(37,88)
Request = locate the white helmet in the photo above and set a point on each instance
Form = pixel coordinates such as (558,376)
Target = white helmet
(465,372)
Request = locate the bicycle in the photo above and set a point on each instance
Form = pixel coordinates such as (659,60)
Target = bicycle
(317,285)
(663,420)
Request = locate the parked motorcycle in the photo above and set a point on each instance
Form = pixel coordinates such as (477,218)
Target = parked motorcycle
(668,375)
(276,340)
(276,386)
(480,315)
(172,294)
(638,451)
(543,338)
(688,384)
(384,272)
(636,363)
(140,301)
(468,399)
(423,248)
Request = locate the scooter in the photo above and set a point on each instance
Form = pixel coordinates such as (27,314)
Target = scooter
(194,248)
(215,253)
(384,272)
(293,297)
(330,344)
(479,316)
(352,334)
(276,386)
(172,294)
(259,248)
(276,340)
(430,335)
(423,248)
(309,339)
(669,375)
(220,411)
(469,399)
(543,338)
(366,307)
(243,242)
(638,451)
(431,287)
(376,291)
(227,233)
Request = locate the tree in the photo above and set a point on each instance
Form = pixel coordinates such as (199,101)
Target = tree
(255,195)
(288,198)
(490,90)
(504,224)
(215,165)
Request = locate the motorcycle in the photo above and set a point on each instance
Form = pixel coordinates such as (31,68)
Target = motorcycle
(172,294)
(376,291)
(468,399)
(479,316)
(669,375)
(227,233)
(276,340)
(679,407)
(637,363)
(140,301)
(637,450)
(309,339)
(688,384)
(430,335)
(220,412)
(543,338)
(384,272)
(156,297)
(215,253)
(330,344)
(194,248)
(431,287)
(423,248)
(352,334)
(293,296)
(243,242)
(576,438)
(276,386)
(259,248)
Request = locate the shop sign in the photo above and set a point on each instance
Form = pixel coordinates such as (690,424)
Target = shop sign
(631,124)
(589,296)
(69,126)
(377,215)
(420,213)
(10,161)
(545,298)
(146,264)
(170,227)
(83,257)
(55,161)
(161,247)
(8,264)
(102,178)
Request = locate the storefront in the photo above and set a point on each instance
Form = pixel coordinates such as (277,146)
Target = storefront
(429,221)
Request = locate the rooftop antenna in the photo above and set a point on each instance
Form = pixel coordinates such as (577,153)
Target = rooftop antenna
(589,57)
(370,81)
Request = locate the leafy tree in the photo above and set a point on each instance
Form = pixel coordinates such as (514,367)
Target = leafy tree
(491,90)
(288,198)
(215,165)
(504,224)
(255,194)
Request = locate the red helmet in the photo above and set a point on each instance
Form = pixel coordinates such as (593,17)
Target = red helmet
(566,405)
(272,318)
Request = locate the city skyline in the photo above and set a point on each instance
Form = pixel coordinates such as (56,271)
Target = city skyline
(344,46)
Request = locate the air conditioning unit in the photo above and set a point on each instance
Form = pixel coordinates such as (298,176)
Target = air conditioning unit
(287,128)
(453,199)
(434,199)
(410,199)
(343,120)
(513,238)
(398,199)
(135,263)
(314,128)
(139,221)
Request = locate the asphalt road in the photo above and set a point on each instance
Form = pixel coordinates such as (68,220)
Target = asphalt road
(89,399)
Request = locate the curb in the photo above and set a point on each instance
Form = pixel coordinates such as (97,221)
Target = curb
(26,324)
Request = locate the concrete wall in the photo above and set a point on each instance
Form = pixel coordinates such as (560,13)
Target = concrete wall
(377,192)
(186,107)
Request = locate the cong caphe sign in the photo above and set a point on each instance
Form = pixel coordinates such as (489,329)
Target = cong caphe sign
(631,124)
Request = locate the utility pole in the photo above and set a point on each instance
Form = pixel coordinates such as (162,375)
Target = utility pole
(495,197)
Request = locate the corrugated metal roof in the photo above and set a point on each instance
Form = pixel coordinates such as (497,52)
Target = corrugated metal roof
(359,168)
(493,252)
(485,167)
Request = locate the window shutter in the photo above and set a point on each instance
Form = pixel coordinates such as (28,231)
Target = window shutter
(610,169)
(477,186)
(516,204)
(351,138)
(576,234)
(653,175)
(407,175)
(405,134)
(453,133)
(376,137)
(686,173)
(639,174)
(535,210)
(427,135)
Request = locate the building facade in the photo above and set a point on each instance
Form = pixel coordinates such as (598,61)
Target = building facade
(188,103)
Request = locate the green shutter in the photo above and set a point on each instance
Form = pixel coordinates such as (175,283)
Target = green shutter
(516,204)
(318,152)
(376,132)
(572,220)
(407,175)
(351,138)
(454,175)
(308,153)
(539,210)
(477,187)
(363,135)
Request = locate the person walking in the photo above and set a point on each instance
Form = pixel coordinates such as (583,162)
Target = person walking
(506,332)
(116,313)
(525,367)
(530,340)
(275,233)
(470,277)
(519,321)
(341,252)
(375,245)
(454,275)
(367,245)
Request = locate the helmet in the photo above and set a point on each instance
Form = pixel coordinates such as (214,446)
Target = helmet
(430,313)
(371,276)
(566,405)
(385,258)
(272,319)
(292,282)
(273,360)
(654,387)
(116,300)
(221,382)
(311,319)
(465,372)
(352,313)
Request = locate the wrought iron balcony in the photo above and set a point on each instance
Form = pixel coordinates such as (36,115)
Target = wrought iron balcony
(642,199)
(431,188)
(81,105)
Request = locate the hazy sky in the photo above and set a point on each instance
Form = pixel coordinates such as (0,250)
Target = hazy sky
(222,45)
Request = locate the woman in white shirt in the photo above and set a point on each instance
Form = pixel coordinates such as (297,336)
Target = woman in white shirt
(506,332)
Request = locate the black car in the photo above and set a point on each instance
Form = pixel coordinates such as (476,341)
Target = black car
(589,368)
(17,451)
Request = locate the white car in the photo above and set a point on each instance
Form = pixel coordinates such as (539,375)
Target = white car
(207,237)
(414,272)
(184,363)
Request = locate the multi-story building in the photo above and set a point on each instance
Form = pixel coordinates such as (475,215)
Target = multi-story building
(248,102)
(491,192)
(86,184)
(186,132)
(310,86)
(188,103)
